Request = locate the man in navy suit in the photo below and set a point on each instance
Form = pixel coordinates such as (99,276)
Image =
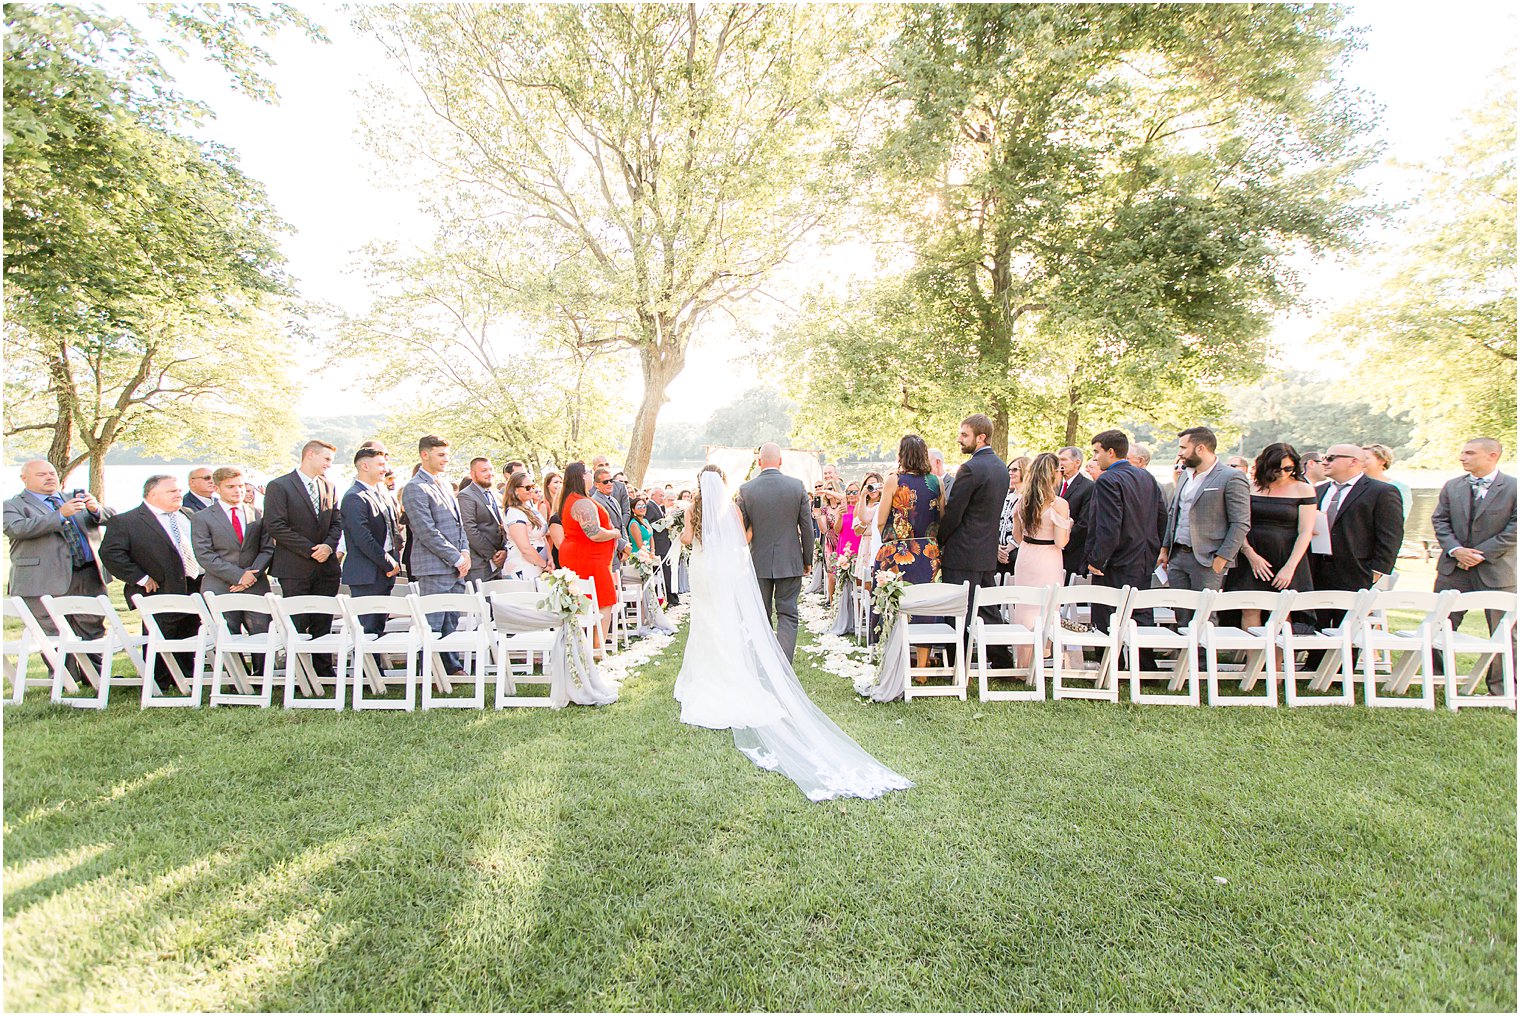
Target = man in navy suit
(370,534)
(968,531)
(1126,518)
(301,512)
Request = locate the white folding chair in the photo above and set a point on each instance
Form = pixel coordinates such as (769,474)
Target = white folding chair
(1334,642)
(1383,661)
(530,644)
(489,586)
(115,639)
(860,604)
(949,637)
(1152,637)
(1411,651)
(333,640)
(160,648)
(372,653)
(1070,601)
(18,651)
(1499,644)
(229,642)
(1259,644)
(629,616)
(1012,635)
(473,640)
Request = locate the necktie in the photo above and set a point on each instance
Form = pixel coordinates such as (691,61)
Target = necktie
(191,568)
(1064,485)
(316,503)
(79,550)
(237,525)
(1334,507)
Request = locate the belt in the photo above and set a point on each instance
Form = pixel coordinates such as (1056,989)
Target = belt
(1182,546)
(1039,543)
(85,566)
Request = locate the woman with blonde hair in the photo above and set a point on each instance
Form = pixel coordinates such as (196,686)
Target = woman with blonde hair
(1041,530)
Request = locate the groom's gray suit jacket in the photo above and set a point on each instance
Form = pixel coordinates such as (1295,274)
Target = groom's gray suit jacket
(775,507)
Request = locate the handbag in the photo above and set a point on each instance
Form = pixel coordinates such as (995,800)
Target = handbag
(1075,626)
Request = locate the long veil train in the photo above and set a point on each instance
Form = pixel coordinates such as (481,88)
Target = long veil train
(735,675)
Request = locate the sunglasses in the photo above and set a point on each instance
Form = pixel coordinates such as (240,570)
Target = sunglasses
(1332,458)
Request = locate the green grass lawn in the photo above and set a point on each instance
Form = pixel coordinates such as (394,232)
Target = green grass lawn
(1064,855)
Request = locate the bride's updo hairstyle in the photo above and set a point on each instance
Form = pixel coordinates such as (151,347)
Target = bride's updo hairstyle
(696,504)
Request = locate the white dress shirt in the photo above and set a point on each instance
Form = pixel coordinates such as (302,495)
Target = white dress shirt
(182,544)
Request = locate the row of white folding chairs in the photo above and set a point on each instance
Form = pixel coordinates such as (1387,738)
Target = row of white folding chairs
(1355,641)
(222,635)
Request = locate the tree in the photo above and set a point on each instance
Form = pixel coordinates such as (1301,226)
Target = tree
(759,415)
(1097,202)
(483,360)
(135,255)
(663,159)
(1437,330)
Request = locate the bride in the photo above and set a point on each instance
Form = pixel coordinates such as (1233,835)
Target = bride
(734,674)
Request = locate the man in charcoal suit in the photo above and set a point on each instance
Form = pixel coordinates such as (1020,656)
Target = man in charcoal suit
(1126,519)
(484,520)
(371,534)
(200,492)
(1474,522)
(654,514)
(55,548)
(440,551)
(968,531)
(780,522)
(604,492)
(1076,488)
(233,546)
(149,550)
(302,514)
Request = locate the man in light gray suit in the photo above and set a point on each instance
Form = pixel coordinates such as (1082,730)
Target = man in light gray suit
(779,523)
(440,554)
(485,524)
(55,547)
(1207,520)
(233,548)
(1474,522)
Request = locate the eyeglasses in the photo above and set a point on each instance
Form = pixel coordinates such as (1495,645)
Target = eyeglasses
(607,482)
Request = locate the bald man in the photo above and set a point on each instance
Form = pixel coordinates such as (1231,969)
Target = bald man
(780,521)
(54,546)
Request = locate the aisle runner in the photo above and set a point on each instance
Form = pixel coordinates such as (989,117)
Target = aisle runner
(630,662)
(840,655)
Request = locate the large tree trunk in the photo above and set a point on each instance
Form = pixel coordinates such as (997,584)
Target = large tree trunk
(661,359)
(1072,420)
(1000,429)
(63,427)
(98,469)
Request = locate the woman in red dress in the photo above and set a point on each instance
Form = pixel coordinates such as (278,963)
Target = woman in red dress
(590,541)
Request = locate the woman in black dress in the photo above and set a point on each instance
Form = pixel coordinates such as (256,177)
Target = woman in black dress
(1283,507)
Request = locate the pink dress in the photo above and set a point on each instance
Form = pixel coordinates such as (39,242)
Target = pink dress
(1039,563)
(849,540)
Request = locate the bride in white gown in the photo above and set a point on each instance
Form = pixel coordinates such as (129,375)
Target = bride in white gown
(734,674)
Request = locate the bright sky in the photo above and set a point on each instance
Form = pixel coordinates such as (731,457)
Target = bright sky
(1425,65)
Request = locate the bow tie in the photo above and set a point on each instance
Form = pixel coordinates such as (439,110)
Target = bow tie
(1480,482)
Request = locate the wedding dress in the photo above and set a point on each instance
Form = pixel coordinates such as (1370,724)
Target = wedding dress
(734,674)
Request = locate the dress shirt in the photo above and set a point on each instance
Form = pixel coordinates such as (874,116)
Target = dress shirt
(376,489)
(1185,499)
(171,520)
(83,544)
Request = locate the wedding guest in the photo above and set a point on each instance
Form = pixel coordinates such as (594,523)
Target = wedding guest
(202,492)
(619,490)
(1041,529)
(440,550)
(1139,456)
(1076,489)
(1240,463)
(1008,548)
(660,513)
(484,521)
(371,533)
(55,548)
(1093,470)
(589,542)
(512,468)
(1283,510)
(232,545)
(640,536)
(302,513)
(1125,522)
(148,549)
(554,535)
(1474,522)
(968,531)
(1208,519)
(605,494)
(908,515)
(1314,471)
(1377,459)
(683,578)
(527,530)
(939,471)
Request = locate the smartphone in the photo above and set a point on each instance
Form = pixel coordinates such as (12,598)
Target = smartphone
(78,494)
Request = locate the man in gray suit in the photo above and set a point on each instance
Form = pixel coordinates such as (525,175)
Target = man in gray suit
(485,524)
(440,554)
(55,547)
(233,548)
(779,523)
(1474,522)
(1208,519)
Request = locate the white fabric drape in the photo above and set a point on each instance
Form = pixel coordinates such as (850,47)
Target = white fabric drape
(565,686)
(732,657)
(936,598)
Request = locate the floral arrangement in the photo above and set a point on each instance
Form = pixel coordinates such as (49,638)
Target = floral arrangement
(646,563)
(887,599)
(561,597)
